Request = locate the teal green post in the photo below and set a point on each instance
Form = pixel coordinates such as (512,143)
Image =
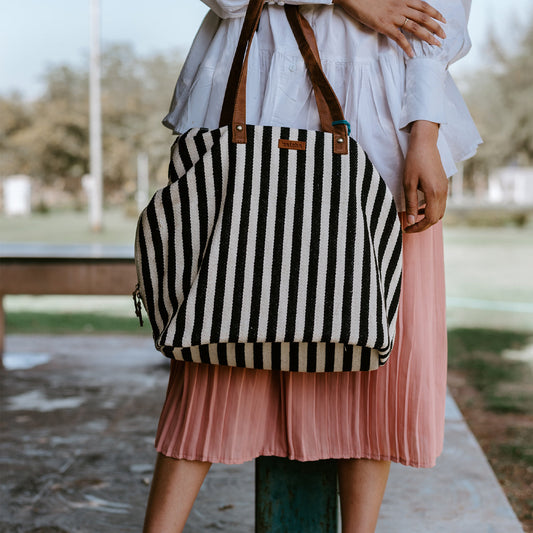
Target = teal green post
(294,496)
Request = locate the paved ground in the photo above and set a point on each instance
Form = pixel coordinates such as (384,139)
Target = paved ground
(76,452)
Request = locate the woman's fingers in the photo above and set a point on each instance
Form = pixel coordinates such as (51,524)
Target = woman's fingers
(394,18)
(424,22)
(418,31)
(424,7)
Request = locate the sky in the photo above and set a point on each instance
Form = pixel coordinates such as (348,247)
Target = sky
(37,33)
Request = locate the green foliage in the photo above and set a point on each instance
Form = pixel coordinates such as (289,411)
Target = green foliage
(505,384)
(48,138)
(500,99)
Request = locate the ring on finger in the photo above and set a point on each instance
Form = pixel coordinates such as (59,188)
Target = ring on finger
(404,23)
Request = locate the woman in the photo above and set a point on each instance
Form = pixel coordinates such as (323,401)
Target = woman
(387,62)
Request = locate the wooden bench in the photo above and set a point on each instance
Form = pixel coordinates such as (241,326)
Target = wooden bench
(37,269)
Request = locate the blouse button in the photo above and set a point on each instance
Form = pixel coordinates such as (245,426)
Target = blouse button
(292,68)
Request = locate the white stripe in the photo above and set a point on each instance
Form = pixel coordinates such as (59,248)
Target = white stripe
(205,335)
(303,273)
(231,265)
(373,293)
(341,247)
(269,239)
(213,260)
(358,252)
(150,251)
(339,353)
(320,356)
(324,239)
(288,228)
(246,308)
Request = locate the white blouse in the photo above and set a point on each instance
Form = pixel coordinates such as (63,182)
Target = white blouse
(381,89)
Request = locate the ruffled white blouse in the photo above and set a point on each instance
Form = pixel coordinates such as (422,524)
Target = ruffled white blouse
(381,89)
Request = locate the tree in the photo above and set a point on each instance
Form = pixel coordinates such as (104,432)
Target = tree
(49,137)
(500,99)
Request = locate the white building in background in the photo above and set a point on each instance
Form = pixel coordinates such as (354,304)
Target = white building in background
(17,195)
(511,185)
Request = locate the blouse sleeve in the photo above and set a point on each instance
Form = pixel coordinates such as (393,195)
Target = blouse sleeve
(237,8)
(426,72)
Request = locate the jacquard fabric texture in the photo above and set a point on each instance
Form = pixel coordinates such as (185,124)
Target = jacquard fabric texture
(262,256)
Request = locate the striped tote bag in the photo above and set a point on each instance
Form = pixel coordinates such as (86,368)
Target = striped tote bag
(272,247)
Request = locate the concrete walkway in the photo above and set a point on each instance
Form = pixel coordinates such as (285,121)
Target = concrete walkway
(76,453)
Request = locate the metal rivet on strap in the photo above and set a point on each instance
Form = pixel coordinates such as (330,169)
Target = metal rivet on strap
(340,140)
(238,127)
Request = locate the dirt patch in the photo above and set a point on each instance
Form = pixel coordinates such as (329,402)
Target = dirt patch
(506,439)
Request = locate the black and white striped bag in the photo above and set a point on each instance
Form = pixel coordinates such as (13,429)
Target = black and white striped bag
(279,252)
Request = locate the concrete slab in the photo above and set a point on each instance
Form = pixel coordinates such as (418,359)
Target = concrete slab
(459,495)
(78,418)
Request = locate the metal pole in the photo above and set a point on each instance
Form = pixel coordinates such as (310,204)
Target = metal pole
(95,122)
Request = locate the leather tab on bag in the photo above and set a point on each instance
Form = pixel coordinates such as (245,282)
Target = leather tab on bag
(238,133)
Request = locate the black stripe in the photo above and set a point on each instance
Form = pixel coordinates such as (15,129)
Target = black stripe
(332,234)
(183,152)
(168,210)
(367,254)
(146,280)
(158,260)
(351,232)
(258,355)
(187,274)
(347,359)
(390,272)
(266,155)
(314,251)
(275,350)
(244,210)
(201,192)
(222,354)
(311,356)
(168,351)
(225,233)
(240,359)
(330,357)
(296,251)
(365,358)
(377,208)
(186,237)
(204,353)
(388,232)
(294,350)
(172,174)
(277,259)
(186,354)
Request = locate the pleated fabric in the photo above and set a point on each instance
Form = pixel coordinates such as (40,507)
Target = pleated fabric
(232,415)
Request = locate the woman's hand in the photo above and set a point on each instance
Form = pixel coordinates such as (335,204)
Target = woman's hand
(390,17)
(423,171)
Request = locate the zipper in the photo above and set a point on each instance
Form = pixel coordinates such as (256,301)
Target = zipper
(137,303)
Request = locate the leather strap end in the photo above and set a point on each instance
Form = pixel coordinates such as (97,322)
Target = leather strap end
(340,143)
(238,133)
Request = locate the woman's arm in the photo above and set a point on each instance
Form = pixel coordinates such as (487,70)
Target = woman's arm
(423,171)
(424,110)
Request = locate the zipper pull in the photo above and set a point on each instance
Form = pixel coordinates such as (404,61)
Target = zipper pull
(137,303)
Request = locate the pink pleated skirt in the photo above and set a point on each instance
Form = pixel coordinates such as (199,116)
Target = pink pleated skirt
(232,415)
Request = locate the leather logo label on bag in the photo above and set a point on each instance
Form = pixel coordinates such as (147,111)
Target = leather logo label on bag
(291,145)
